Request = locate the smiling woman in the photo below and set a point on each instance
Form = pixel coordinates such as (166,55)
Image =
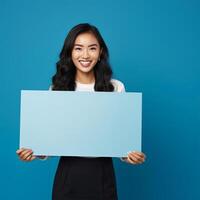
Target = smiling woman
(83,58)
(84,66)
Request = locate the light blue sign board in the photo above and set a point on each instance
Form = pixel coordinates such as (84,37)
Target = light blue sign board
(68,123)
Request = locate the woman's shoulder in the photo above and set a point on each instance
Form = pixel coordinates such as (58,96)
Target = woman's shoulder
(118,85)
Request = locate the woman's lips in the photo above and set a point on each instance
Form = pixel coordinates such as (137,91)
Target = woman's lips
(85,63)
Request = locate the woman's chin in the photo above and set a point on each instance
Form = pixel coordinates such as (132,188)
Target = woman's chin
(85,69)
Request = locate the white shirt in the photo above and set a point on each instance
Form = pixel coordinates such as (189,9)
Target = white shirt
(118,86)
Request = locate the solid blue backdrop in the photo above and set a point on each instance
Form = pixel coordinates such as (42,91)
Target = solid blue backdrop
(154,49)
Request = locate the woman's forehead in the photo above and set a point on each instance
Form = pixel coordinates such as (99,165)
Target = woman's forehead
(87,39)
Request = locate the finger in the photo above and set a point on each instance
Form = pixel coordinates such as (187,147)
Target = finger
(33,158)
(26,155)
(131,161)
(135,159)
(19,150)
(140,154)
(22,153)
(25,151)
(26,158)
(30,157)
(138,157)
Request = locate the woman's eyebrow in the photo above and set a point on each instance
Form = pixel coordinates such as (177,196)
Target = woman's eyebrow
(83,45)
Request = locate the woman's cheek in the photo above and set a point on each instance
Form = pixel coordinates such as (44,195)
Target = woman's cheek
(76,55)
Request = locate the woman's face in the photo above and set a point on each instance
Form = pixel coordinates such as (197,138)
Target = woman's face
(86,52)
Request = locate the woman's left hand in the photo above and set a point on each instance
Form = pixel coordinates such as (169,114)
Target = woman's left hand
(135,157)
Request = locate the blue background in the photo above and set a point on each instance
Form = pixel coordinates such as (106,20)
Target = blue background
(154,47)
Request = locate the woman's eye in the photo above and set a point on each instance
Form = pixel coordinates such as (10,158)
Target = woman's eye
(78,48)
(93,48)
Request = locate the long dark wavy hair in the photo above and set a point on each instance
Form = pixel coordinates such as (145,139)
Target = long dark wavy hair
(64,79)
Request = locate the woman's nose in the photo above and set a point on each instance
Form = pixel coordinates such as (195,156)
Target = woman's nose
(85,53)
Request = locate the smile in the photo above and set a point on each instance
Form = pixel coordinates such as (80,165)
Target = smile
(85,63)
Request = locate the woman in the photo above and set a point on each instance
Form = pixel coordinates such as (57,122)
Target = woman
(84,66)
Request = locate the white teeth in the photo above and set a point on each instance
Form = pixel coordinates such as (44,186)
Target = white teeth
(85,63)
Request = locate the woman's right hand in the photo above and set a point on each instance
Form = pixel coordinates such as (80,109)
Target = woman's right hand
(25,154)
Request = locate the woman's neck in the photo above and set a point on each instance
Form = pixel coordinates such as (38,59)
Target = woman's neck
(85,78)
